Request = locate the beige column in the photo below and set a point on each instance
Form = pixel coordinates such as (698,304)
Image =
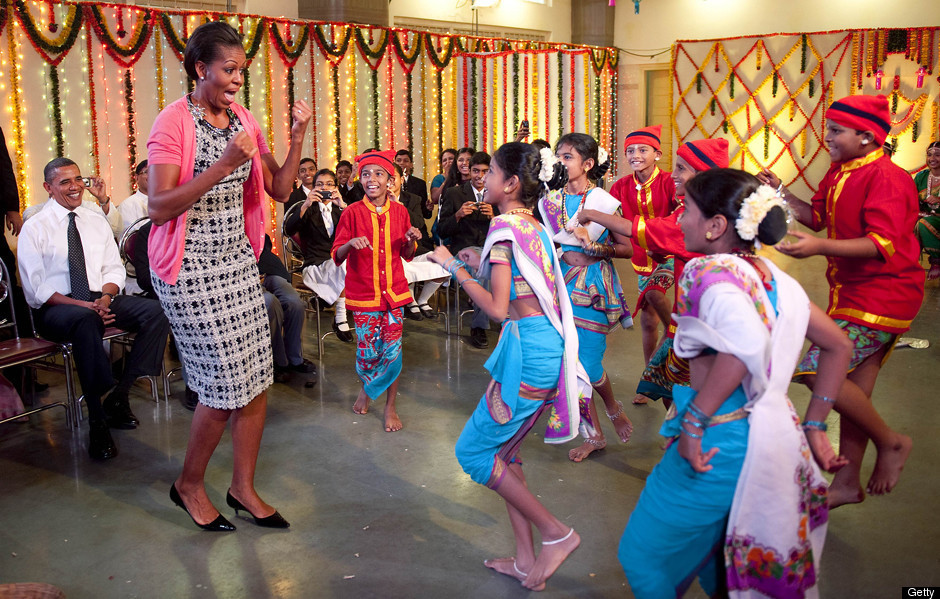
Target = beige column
(367,12)
(592,23)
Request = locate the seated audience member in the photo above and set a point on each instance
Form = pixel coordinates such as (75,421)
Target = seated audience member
(343,176)
(308,167)
(72,274)
(314,226)
(465,221)
(419,268)
(101,203)
(413,184)
(134,207)
(437,183)
(286,314)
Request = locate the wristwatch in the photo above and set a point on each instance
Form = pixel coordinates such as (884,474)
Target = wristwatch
(111,295)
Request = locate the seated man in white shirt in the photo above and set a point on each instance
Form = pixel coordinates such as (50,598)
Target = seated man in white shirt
(72,273)
(134,207)
(313,225)
(101,204)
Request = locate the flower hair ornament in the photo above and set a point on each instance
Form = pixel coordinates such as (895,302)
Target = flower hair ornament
(753,210)
(602,155)
(548,160)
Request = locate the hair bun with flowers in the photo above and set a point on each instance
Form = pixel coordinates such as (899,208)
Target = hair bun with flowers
(755,209)
(552,173)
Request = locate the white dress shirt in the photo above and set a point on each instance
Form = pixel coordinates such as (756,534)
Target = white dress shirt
(113,216)
(43,252)
(133,209)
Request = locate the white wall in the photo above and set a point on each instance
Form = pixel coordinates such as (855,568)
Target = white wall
(553,16)
(661,22)
(269,8)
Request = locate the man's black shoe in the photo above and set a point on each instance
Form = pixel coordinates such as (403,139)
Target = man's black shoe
(100,444)
(117,412)
(190,400)
(344,336)
(305,367)
(478,338)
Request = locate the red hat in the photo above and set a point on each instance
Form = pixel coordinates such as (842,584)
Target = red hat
(704,154)
(383,158)
(646,135)
(863,113)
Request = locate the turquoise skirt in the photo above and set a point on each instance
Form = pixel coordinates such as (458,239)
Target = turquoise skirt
(677,530)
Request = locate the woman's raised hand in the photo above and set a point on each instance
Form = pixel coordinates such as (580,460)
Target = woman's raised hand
(301,114)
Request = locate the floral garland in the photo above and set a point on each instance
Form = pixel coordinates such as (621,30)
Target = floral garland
(290,52)
(374,105)
(561,93)
(368,53)
(19,145)
(332,51)
(131,116)
(571,91)
(535,95)
(158,59)
(466,103)
(56,110)
(753,210)
(61,44)
(598,108)
(334,81)
(515,92)
(409,119)
(125,55)
(354,99)
(390,105)
(439,84)
(547,95)
(268,107)
(94,109)
(505,100)
(588,100)
(485,104)
(473,103)
(439,55)
(407,59)
(314,81)
(453,105)
(177,43)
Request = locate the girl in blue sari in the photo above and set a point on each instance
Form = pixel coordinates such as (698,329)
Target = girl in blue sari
(737,500)
(534,366)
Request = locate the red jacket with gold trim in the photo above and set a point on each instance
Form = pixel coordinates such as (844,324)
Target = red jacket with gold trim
(654,199)
(872,197)
(375,278)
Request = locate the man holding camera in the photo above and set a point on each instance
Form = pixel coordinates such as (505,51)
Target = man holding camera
(72,274)
(465,220)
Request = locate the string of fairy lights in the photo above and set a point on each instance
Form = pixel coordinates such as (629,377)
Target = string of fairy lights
(93,104)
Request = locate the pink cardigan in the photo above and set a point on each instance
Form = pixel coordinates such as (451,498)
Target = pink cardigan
(173,141)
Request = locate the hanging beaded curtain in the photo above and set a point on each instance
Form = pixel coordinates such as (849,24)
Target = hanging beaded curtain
(768,95)
(86,80)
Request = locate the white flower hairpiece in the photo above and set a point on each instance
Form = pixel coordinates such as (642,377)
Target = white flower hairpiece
(548,160)
(602,155)
(753,210)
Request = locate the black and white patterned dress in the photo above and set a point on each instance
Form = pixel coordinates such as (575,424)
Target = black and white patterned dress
(216,308)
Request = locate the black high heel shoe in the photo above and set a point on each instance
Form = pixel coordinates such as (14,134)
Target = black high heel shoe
(275,520)
(220,524)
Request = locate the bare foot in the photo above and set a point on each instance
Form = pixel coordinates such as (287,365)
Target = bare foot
(392,421)
(842,495)
(640,400)
(507,566)
(888,466)
(362,403)
(554,553)
(823,452)
(623,426)
(589,446)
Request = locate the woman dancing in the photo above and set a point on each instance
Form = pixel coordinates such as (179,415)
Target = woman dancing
(738,475)
(536,360)
(591,280)
(209,170)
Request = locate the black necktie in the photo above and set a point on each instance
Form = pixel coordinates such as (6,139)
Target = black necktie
(78,276)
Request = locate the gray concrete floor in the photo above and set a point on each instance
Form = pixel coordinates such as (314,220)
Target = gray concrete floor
(375,514)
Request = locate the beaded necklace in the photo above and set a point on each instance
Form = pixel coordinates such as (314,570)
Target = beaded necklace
(564,201)
(519,211)
(751,258)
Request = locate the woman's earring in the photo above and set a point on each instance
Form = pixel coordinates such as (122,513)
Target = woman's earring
(864,142)
(708,235)
(202,78)
(505,190)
